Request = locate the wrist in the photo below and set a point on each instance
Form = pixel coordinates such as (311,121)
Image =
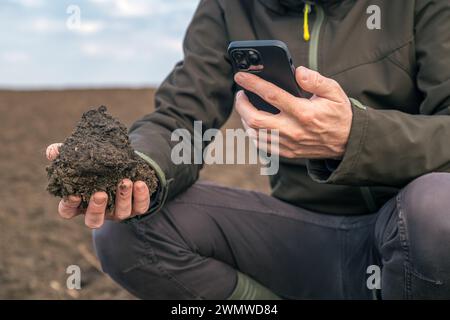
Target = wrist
(159,197)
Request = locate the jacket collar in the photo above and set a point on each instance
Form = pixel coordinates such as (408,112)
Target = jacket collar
(336,9)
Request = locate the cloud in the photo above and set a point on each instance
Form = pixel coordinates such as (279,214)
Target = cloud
(132,8)
(15,56)
(47,25)
(125,8)
(91,49)
(169,43)
(141,8)
(89,27)
(107,50)
(30,3)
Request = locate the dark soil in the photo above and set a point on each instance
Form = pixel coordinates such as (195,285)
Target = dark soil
(96,157)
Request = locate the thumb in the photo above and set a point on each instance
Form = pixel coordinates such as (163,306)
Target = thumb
(313,82)
(53,151)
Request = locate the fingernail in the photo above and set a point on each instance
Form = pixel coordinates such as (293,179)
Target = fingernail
(99,199)
(304,73)
(72,199)
(140,187)
(124,188)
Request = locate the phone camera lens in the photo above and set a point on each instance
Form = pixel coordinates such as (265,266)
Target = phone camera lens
(253,58)
(238,55)
(243,65)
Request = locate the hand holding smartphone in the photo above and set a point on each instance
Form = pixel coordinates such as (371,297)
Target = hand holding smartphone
(268,59)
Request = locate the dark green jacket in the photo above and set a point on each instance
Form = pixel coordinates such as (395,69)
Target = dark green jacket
(400,74)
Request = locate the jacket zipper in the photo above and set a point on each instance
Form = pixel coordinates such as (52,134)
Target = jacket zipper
(313,58)
(314,38)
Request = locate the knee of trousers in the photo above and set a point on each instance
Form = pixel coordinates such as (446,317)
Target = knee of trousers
(144,256)
(128,258)
(118,247)
(424,224)
(126,247)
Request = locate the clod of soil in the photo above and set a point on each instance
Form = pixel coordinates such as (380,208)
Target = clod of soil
(96,157)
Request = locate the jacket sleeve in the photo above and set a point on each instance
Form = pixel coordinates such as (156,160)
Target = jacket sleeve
(391,148)
(200,88)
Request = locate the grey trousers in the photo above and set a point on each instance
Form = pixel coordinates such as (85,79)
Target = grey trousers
(193,248)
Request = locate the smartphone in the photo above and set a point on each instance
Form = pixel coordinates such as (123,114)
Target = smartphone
(270,60)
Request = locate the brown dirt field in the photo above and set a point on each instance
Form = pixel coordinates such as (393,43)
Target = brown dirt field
(36,246)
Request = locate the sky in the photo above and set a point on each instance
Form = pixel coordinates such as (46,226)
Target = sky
(90,43)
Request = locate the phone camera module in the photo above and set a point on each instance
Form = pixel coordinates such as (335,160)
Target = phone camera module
(253,57)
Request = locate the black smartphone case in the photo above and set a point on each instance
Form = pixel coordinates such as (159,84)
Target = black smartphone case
(277,68)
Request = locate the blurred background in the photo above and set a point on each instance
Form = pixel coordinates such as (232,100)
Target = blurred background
(57,60)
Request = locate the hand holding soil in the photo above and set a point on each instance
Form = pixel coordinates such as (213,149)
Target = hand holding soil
(96,172)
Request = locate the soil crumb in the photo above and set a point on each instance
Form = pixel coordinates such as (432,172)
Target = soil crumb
(96,157)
